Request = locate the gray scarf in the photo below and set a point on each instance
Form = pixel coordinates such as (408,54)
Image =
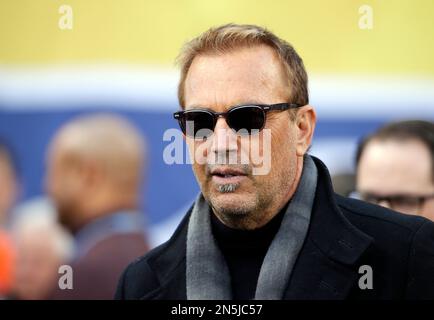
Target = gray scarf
(208,276)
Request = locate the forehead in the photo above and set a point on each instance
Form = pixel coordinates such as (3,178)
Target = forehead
(392,166)
(244,75)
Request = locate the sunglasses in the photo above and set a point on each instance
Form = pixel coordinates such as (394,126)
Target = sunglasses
(243,119)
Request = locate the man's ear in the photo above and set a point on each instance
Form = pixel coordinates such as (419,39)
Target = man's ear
(305,126)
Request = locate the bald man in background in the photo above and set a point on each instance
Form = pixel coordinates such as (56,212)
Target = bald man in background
(95,168)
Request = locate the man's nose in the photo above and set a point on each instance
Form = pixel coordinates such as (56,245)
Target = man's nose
(224,138)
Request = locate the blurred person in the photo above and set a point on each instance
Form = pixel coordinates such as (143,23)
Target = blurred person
(8,197)
(38,205)
(42,247)
(9,187)
(282,233)
(395,167)
(94,175)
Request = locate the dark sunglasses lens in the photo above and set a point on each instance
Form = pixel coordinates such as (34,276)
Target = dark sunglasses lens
(245,119)
(198,124)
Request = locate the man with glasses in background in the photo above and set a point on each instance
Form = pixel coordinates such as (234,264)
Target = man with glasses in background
(274,234)
(395,167)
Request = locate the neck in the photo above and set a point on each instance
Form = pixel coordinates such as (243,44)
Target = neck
(92,213)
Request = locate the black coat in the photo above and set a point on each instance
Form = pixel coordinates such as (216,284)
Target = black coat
(343,235)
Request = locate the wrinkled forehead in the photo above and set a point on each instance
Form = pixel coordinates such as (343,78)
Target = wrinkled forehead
(246,75)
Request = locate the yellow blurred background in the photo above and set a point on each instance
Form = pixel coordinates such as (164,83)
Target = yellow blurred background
(326,33)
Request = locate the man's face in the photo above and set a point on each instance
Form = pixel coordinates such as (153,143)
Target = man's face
(399,169)
(218,82)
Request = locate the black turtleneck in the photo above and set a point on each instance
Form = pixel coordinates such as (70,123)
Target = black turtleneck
(244,252)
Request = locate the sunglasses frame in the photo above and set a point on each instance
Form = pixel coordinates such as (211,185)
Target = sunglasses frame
(265,108)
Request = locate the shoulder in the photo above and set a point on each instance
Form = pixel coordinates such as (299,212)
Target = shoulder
(369,217)
(406,240)
(388,228)
(138,278)
(145,274)
(409,237)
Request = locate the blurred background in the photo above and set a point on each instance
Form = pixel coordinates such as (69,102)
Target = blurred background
(369,62)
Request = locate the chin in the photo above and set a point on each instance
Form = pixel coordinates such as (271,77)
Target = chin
(232,203)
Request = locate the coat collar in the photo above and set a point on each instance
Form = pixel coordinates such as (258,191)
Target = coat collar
(326,267)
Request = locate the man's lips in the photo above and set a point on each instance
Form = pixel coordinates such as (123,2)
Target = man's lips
(223,175)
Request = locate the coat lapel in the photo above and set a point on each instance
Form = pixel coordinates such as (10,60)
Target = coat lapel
(327,266)
(170,266)
(315,276)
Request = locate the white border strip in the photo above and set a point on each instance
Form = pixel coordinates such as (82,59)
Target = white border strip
(154,89)
(372,97)
(81,86)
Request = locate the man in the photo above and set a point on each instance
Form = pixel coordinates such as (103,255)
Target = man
(95,168)
(395,167)
(281,234)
